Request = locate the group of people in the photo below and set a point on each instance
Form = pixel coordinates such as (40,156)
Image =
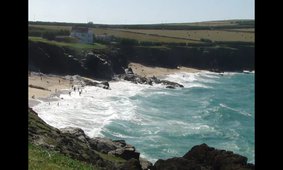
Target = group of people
(76,88)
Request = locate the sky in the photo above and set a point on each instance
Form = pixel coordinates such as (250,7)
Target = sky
(139,11)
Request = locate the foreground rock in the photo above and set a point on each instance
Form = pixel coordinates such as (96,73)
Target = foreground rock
(137,79)
(203,157)
(74,143)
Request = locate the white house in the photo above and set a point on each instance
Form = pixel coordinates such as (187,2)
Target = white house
(84,34)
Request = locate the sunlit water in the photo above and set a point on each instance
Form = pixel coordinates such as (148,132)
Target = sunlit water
(161,123)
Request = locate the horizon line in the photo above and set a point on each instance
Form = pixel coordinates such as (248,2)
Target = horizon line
(216,20)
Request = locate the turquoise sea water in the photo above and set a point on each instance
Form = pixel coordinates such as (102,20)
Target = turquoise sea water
(161,123)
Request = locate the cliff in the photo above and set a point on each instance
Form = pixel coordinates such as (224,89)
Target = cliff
(104,64)
(222,58)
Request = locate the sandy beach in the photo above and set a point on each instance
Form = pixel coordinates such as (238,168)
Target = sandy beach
(51,84)
(147,71)
(43,86)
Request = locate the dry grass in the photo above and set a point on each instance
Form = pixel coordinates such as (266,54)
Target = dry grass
(214,35)
(140,36)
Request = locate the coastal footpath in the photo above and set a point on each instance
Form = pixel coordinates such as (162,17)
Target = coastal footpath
(103,153)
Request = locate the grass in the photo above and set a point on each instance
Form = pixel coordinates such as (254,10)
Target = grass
(140,36)
(232,34)
(111,158)
(214,35)
(43,159)
(70,45)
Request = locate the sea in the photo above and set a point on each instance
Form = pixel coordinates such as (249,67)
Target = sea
(216,109)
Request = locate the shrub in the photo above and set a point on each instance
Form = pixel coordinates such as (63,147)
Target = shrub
(48,35)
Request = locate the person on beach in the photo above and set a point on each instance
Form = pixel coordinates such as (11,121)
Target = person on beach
(70,93)
(40,78)
(59,81)
(80,92)
(33,96)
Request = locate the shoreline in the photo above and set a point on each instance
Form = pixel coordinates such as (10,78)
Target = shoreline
(42,87)
(148,71)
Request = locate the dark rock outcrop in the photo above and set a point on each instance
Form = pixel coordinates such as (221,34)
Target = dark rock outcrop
(69,141)
(203,157)
(103,84)
(98,66)
(54,59)
(132,164)
(117,148)
(76,144)
(143,80)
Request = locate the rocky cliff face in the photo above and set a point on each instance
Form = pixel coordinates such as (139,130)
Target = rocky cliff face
(224,58)
(105,64)
(48,58)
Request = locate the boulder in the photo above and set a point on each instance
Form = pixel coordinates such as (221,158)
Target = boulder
(103,145)
(177,163)
(204,157)
(132,164)
(125,153)
(170,87)
(103,84)
(145,164)
(114,147)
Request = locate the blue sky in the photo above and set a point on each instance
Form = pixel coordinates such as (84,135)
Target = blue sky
(139,11)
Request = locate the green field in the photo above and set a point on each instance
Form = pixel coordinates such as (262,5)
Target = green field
(71,45)
(140,36)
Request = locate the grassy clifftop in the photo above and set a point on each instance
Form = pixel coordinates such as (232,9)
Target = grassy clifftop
(44,159)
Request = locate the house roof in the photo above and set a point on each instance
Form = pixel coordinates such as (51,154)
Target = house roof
(80,29)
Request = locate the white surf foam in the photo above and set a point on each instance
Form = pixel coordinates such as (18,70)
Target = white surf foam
(93,109)
(235,110)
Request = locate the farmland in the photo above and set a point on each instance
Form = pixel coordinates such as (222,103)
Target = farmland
(190,33)
(197,35)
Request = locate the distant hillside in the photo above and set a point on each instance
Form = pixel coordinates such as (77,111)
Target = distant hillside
(198,25)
